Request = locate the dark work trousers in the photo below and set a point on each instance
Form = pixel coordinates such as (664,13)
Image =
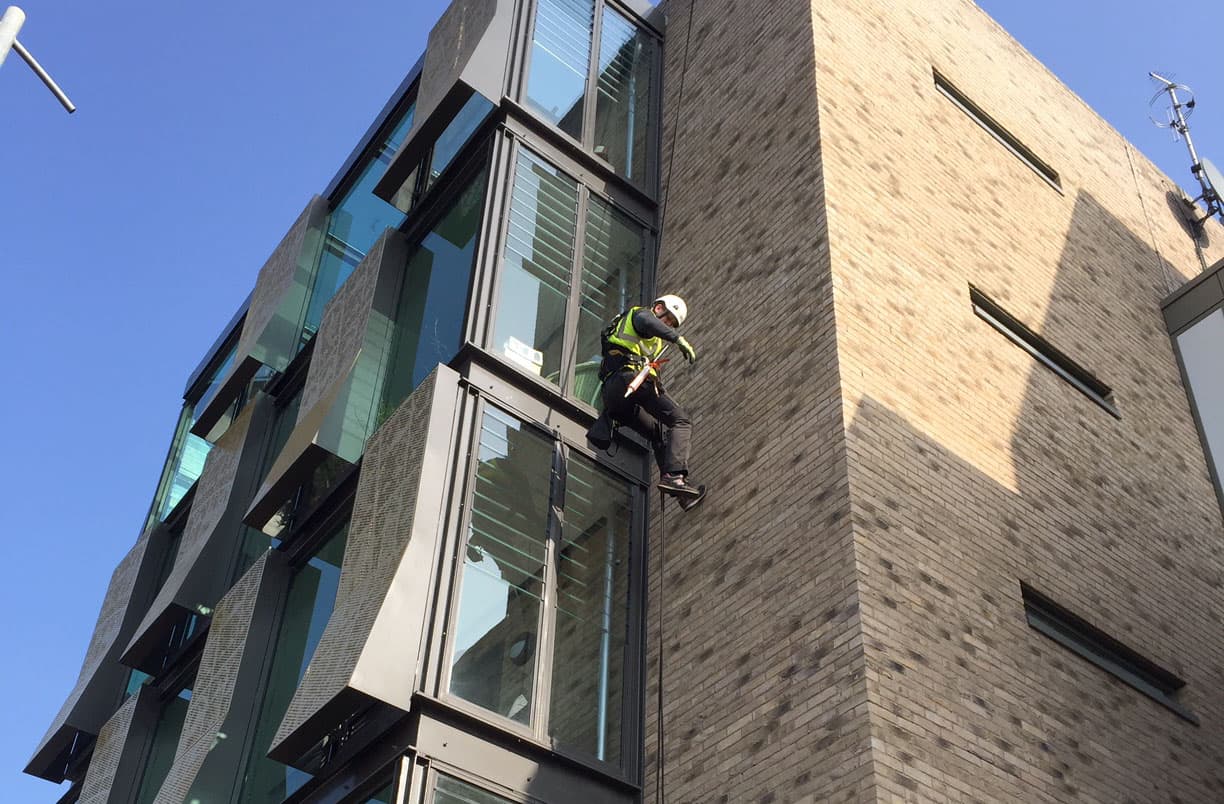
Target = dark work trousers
(646,409)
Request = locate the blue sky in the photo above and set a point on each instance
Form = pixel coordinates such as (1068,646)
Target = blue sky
(132,230)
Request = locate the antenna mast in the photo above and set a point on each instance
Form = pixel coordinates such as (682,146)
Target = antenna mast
(10,25)
(1204,172)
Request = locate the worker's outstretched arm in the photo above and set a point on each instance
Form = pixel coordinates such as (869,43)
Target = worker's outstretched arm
(650,325)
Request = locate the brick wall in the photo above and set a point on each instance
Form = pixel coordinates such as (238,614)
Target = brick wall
(971,466)
(764,691)
(828,210)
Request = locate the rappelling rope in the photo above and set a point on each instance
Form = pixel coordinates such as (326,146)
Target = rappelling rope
(671,158)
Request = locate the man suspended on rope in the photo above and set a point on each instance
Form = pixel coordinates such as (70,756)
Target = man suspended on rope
(632,343)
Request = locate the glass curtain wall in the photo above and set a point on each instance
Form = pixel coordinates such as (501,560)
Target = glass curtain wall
(621,131)
(308,607)
(533,312)
(518,557)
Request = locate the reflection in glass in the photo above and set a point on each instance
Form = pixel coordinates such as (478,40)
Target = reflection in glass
(535,275)
(592,612)
(503,574)
(560,57)
(188,452)
(384,796)
(1202,351)
(432,306)
(308,607)
(356,223)
(453,791)
(457,133)
(253,542)
(612,258)
(165,742)
(622,109)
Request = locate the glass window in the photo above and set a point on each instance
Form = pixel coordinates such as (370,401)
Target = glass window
(356,223)
(253,541)
(505,581)
(592,612)
(560,58)
(536,268)
(457,133)
(613,256)
(434,296)
(187,452)
(165,742)
(308,607)
(452,791)
(384,796)
(1202,352)
(622,106)
(494,661)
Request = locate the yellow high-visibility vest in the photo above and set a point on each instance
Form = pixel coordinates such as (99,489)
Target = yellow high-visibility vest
(626,337)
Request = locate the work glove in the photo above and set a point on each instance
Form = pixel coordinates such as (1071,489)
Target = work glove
(686,349)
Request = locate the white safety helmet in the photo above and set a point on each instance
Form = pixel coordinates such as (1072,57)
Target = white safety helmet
(675,305)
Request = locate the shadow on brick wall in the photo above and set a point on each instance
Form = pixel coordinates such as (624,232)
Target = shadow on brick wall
(1113,518)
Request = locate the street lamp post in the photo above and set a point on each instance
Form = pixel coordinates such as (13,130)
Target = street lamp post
(10,24)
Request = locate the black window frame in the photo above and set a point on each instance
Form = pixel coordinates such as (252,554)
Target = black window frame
(447,610)
(1097,647)
(1043,351)
(591,92)
(589,186)
(996,130)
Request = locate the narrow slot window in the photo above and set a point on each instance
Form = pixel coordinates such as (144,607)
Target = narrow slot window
(992,126)
(1091,643)
(1043,351)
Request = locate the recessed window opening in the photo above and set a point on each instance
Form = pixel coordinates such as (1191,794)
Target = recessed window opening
(1043,351)
(1091,643)
(992,126)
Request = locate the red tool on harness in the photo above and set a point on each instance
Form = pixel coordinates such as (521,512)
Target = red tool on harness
(641,376)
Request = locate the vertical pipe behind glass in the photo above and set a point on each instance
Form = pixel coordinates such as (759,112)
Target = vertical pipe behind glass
(605,644)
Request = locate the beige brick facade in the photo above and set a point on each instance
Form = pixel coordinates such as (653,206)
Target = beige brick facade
(844,616)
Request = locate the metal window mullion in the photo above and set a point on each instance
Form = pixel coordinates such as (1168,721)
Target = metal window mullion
(572,312)
(487,283)
(548,614)
(461,508)
(633,719)
(590,94)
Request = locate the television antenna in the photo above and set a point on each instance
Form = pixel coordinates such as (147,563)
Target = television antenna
(10,25)
(1181,106)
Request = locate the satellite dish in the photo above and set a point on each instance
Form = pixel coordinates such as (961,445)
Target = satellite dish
(1215,181)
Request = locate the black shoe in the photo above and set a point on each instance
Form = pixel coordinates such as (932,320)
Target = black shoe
(689,503)
(600,434)
(677,487)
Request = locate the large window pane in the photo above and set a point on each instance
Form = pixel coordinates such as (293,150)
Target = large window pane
(356,223)
(453,791)
(560,57)
(165,742)
(613,255)
(592,612)
(457,133)
(188,452)
(308,607)
(535,274)
(1202,351)
(434,295)
(622,109)
(494,657)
